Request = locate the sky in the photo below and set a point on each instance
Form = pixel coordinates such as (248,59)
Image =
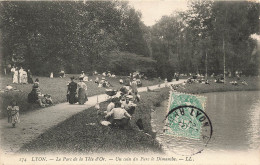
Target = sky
(153,10)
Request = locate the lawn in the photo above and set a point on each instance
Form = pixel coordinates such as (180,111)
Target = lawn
(56,87)
(195,88)
(78,135)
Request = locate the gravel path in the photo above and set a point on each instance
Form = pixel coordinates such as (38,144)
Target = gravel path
(37,122)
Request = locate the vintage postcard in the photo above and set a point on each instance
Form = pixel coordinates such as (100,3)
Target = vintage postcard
(129,82)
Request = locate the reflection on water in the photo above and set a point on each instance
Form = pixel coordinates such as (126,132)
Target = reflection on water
(235,117)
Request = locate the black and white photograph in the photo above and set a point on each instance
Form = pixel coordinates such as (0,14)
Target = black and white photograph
(129,82)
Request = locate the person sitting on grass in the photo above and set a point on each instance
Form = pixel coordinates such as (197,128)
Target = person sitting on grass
(13,113)
(47,100)
(97,80)
(244,82)
(102,82)
(234,83)
(109,74)
(121,81)
(62,74)
(110,106)
(120,117)
(108,84)
(128,104)
(35,96)
(36,83)
(82,74)
(113,75)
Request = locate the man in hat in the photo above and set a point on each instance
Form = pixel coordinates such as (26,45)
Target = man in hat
(72,91)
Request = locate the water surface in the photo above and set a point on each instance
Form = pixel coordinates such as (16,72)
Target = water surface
(235,117)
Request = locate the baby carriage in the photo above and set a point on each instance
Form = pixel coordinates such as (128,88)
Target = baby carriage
(111,92)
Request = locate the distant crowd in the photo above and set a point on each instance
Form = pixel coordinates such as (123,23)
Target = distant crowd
(122,101)
(21,75)
(118,113)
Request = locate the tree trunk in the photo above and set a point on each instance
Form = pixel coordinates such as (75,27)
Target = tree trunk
(206,62)
(224,59)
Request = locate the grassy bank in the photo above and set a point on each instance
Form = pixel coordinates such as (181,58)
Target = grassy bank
(56,87)
(195,88)
(75,135)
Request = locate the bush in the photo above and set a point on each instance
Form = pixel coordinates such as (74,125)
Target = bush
(122,63)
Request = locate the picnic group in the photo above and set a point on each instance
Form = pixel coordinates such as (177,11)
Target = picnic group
(199,78)
(119,110)
(121,105)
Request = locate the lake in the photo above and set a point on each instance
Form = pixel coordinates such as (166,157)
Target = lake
(235,118)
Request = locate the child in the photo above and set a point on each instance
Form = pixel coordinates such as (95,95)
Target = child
(13,113)
(47,99)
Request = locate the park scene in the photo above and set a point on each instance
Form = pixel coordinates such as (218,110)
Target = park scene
(95,76)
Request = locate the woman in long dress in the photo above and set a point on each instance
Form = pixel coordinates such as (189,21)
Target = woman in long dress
(15,76)
(72,91)
(21,75)
(25,76)
(30,79)
(82,87)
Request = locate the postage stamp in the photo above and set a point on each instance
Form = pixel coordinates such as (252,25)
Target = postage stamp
(186,118)
(185,121)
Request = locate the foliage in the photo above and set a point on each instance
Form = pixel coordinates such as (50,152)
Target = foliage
(196,40)
(76,36)
(70,36)
(123,63)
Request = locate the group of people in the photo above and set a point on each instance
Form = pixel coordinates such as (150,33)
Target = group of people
(235,83)
(120,110)
(35,96)
(21,75)
(122,107)
(103,82)
(108,74)
(128,81)
(77,91)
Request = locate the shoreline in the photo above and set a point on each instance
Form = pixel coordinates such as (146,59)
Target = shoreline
(253,84)
(223,91)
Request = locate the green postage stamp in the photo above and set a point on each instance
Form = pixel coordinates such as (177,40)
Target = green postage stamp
(184,116)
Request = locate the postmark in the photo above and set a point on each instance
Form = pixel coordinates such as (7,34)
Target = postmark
(188,122)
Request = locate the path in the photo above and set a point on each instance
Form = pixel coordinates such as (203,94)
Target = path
(37,122)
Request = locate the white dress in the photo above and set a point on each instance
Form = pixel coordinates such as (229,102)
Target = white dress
(51,75)
(15,77)
(20,75)
(24,78)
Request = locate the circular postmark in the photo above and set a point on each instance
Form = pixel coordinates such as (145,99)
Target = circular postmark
(191,127)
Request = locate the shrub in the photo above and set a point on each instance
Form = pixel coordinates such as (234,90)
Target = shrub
(122,63)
